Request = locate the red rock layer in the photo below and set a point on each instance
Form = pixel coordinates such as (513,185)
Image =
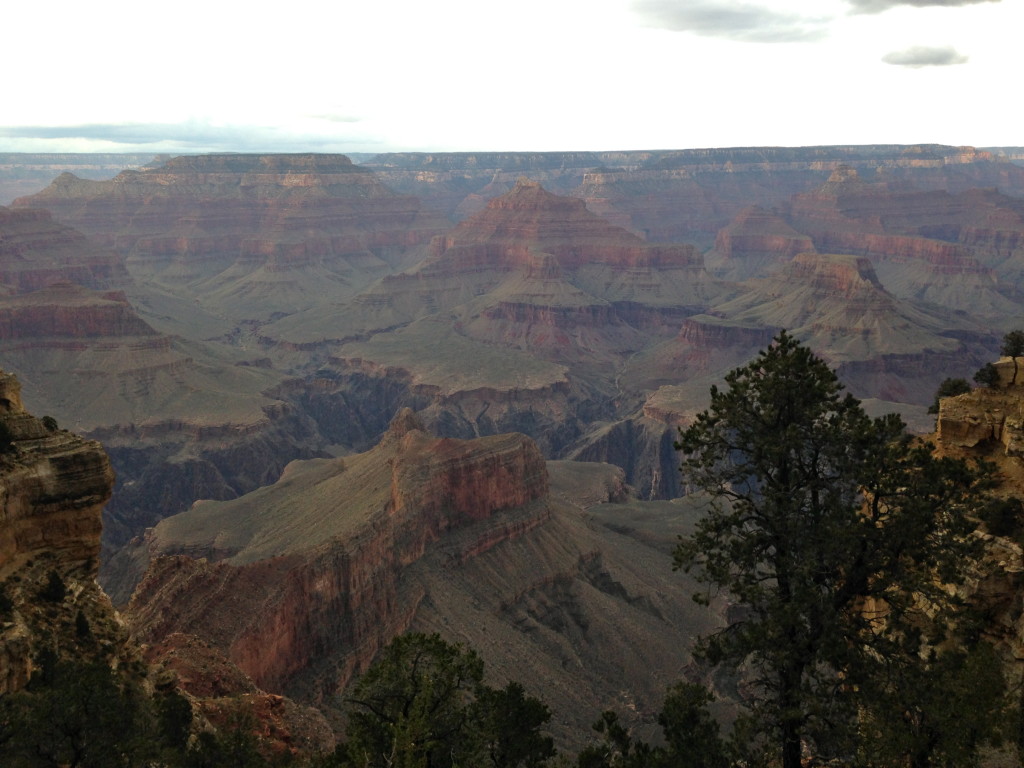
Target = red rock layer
(754,243)
(36,251)
(201,214)
(70,312)
(333,599)
(531,217)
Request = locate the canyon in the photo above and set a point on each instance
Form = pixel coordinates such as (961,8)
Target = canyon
(240,332)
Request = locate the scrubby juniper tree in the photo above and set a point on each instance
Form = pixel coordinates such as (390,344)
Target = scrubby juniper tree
(833,530)
(1013,344)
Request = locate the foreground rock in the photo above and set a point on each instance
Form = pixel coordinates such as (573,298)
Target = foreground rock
(53,486)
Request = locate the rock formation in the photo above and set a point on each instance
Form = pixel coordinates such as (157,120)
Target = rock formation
(931,246)
(22,173)
(314,574)
(755,243)
(249,234)
(180,420)
(35,252)
(54,486)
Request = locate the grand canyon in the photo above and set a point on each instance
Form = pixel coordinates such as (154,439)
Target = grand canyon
(348,398)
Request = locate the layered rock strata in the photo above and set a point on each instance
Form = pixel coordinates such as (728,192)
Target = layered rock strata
(36,251)
(361,520)
(54,486)
(301,583)
(251,234)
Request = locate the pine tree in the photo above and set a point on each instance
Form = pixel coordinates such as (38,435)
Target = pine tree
(833,531)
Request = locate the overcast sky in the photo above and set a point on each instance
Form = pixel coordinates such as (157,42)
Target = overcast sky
(448,75)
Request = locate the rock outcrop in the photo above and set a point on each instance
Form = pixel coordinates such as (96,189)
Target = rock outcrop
(755,243)
(361,520)
(54,486)
(987,415)
(179,420)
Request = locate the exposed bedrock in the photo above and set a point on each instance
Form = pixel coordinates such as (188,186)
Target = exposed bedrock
(325,591)
(164,468)
(53,486)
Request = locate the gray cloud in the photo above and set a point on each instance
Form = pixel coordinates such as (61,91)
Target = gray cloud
(730,20)
(184,137)
(877,6)
(923,56)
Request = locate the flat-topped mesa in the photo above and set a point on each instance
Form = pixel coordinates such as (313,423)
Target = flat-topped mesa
(69,311)
(529,215)
(310,569)
(834,274)
(36,251)
(53,486)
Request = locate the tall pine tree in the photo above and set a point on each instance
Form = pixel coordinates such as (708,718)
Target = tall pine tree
(833,531)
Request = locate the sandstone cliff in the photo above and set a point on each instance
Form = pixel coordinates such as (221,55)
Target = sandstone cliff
(54,486)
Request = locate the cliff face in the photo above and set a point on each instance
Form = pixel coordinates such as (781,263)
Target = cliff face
(180,421)
(950,250)
(53,486)
(36,251)
(987,415)
(300,584)
(320,586)
(754,243)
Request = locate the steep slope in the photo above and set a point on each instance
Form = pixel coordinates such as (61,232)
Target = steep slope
(755,243)
(314,574)
(53,486)
(518,319)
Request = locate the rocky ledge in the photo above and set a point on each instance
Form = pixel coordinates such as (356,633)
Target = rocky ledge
(53,486)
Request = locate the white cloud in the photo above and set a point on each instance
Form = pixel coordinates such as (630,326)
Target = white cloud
(923,56)
(877,6)
(733,21)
